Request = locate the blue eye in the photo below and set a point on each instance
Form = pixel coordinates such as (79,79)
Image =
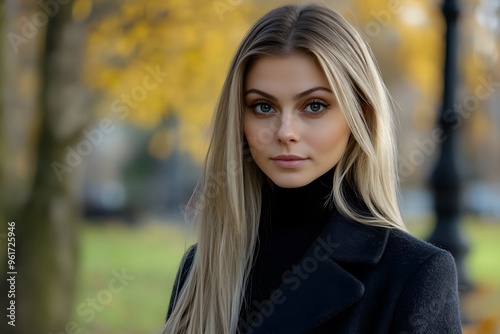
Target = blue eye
(263,108)
(315,107)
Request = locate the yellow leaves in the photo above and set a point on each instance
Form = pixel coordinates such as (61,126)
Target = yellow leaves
(183,37)
(195,131)
(105,79)
(425,71)
(421,49)
(122,46)
(81,10)
(191,35)
(482,129)
(155,10)
(132,11)
(140,31)
(111,26)
(366,9)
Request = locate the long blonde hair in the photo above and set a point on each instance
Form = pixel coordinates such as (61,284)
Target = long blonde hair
(228,199)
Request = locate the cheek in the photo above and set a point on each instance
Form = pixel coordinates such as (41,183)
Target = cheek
(257,133)
(331,139)
(250,129)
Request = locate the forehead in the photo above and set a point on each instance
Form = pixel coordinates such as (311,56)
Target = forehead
(294,73)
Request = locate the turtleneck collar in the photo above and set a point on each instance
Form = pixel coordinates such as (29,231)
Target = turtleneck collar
(290,221)
(288,207)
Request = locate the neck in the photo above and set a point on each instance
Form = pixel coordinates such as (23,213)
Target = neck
(288,207)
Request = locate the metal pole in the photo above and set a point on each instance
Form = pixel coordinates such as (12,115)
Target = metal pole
(445,180)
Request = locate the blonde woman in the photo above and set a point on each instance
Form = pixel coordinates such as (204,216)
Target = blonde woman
(299,226)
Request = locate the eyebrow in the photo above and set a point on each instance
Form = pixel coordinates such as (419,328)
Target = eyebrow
(296,97)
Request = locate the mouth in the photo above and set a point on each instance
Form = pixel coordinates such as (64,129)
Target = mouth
(288,160)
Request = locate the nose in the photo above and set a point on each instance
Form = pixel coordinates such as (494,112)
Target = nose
(288,130)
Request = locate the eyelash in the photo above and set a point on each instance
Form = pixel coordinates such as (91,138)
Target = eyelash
(307,104)
(258,103)
(321,103)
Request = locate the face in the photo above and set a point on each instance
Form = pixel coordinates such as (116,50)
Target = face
(292,122)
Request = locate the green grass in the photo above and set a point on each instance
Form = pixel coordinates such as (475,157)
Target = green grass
(151,254)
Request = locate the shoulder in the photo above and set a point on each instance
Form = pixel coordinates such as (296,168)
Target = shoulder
(427,285)
(182,273)
(189,254)
(403,244)
(187,261)
(412,255)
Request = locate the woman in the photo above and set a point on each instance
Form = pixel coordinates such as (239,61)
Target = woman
(299,227)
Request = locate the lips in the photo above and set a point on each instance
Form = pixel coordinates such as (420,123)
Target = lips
(288,160)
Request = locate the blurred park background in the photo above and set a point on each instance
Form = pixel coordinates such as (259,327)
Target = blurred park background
(103,117)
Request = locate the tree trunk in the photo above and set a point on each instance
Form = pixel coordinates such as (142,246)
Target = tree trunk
(46,222)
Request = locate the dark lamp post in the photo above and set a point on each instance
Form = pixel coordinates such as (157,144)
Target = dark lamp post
(445,180)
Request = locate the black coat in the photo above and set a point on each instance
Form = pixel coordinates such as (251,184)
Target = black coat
(356,278)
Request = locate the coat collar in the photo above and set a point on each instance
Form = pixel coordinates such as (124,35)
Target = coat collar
(357,243)
(318,288)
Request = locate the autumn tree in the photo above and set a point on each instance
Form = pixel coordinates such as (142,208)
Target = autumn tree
(45,95)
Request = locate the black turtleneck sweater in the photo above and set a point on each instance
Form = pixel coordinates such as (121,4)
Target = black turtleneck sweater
(290,221)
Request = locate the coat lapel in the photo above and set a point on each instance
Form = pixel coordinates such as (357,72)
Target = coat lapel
(318,288)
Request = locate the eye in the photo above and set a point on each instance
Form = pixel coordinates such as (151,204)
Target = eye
(316,107)
(262,108)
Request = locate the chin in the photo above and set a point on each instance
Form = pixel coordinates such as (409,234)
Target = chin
(290,181)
